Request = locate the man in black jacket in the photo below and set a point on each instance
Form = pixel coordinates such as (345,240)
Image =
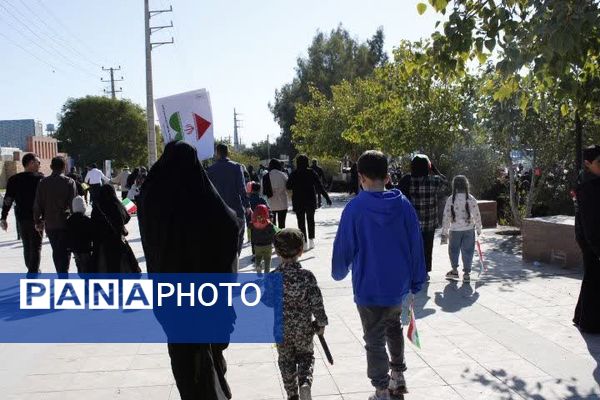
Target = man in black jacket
(20,189)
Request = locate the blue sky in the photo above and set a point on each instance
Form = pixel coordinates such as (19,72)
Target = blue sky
(241,51)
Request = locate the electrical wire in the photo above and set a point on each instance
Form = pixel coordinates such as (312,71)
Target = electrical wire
(68,61)
(65,43)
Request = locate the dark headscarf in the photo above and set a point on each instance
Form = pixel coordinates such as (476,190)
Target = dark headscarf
(184,223)
(302,162)
(107,209)
(274,164)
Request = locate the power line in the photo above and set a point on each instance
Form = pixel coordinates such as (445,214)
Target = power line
(66,29)
(65,43)
(42,39)
(28,52)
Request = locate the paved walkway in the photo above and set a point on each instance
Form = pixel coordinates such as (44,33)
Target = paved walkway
(507,336)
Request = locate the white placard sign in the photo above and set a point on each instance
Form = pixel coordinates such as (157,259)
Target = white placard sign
(188,116)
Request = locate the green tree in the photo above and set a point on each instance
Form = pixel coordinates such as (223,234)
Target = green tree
(94,129)
(554,42)
(401,108)
(331,59)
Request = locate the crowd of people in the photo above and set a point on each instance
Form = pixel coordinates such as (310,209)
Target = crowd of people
(384,240)
(56,205)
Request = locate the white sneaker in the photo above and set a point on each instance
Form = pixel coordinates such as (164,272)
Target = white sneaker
(311,244)
(305,392)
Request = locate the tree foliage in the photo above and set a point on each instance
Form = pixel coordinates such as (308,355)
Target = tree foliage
(332,58)
(401,108)
(94,129)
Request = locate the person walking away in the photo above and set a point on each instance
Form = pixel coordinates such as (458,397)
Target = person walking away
(262,235)
(202,239)
(228,178)
(78,181)
(319,171)
(95,178)
(111,252)
(354,184)
(423,186)
(51,208)
(252,174)
(80,233)
(302,300)
(305,184)
(255,199)
(121,180)
(461,220)
(274,188)
(20,190)
(587,228)
(379,239)
(135,189)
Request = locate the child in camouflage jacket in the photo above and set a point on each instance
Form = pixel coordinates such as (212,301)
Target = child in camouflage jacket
(302,300)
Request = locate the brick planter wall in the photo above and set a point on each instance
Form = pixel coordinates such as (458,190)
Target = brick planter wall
(551,240)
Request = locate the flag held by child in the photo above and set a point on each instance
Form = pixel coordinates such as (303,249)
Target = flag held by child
(412,333)
(129,206)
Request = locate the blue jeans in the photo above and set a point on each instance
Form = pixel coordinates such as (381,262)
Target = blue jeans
(462,243)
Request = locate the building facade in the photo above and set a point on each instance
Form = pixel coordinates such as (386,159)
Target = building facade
(14,133)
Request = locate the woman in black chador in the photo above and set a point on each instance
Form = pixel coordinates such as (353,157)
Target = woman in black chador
(587,228)
(186,227)
(111,252)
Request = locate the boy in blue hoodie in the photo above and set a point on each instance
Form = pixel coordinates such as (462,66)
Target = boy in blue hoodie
(379,238)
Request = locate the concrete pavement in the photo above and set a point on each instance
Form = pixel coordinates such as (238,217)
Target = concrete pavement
(506,336)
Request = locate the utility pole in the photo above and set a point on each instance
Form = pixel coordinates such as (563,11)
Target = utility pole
(268,148)
(152,154)
(236,126)
(112,81)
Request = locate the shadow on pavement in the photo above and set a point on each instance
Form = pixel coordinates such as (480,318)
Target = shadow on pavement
(455,298)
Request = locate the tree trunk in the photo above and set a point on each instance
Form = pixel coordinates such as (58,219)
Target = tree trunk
(578,144)
(514,206)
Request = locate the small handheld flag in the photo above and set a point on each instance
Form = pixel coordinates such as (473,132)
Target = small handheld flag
(129,206)
(412,333)
(482,266)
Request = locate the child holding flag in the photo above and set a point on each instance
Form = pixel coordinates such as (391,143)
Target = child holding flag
(461,220)
(379,238)
(302,300)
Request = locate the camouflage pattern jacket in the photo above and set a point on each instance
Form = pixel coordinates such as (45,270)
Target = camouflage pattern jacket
(302,300)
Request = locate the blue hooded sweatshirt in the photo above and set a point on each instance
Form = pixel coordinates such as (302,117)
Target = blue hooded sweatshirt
(379,238)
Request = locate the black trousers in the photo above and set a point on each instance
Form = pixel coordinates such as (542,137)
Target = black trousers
(428,237)
(60,253)
(94,189)
(278,218)
(587,316)
(306,217)
(199,371)
(124,194)
(32,245)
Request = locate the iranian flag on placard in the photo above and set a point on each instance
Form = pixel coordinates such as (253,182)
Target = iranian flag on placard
(412,333)
(129,206)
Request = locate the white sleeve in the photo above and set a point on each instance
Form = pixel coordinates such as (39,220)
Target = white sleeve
(476,215)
